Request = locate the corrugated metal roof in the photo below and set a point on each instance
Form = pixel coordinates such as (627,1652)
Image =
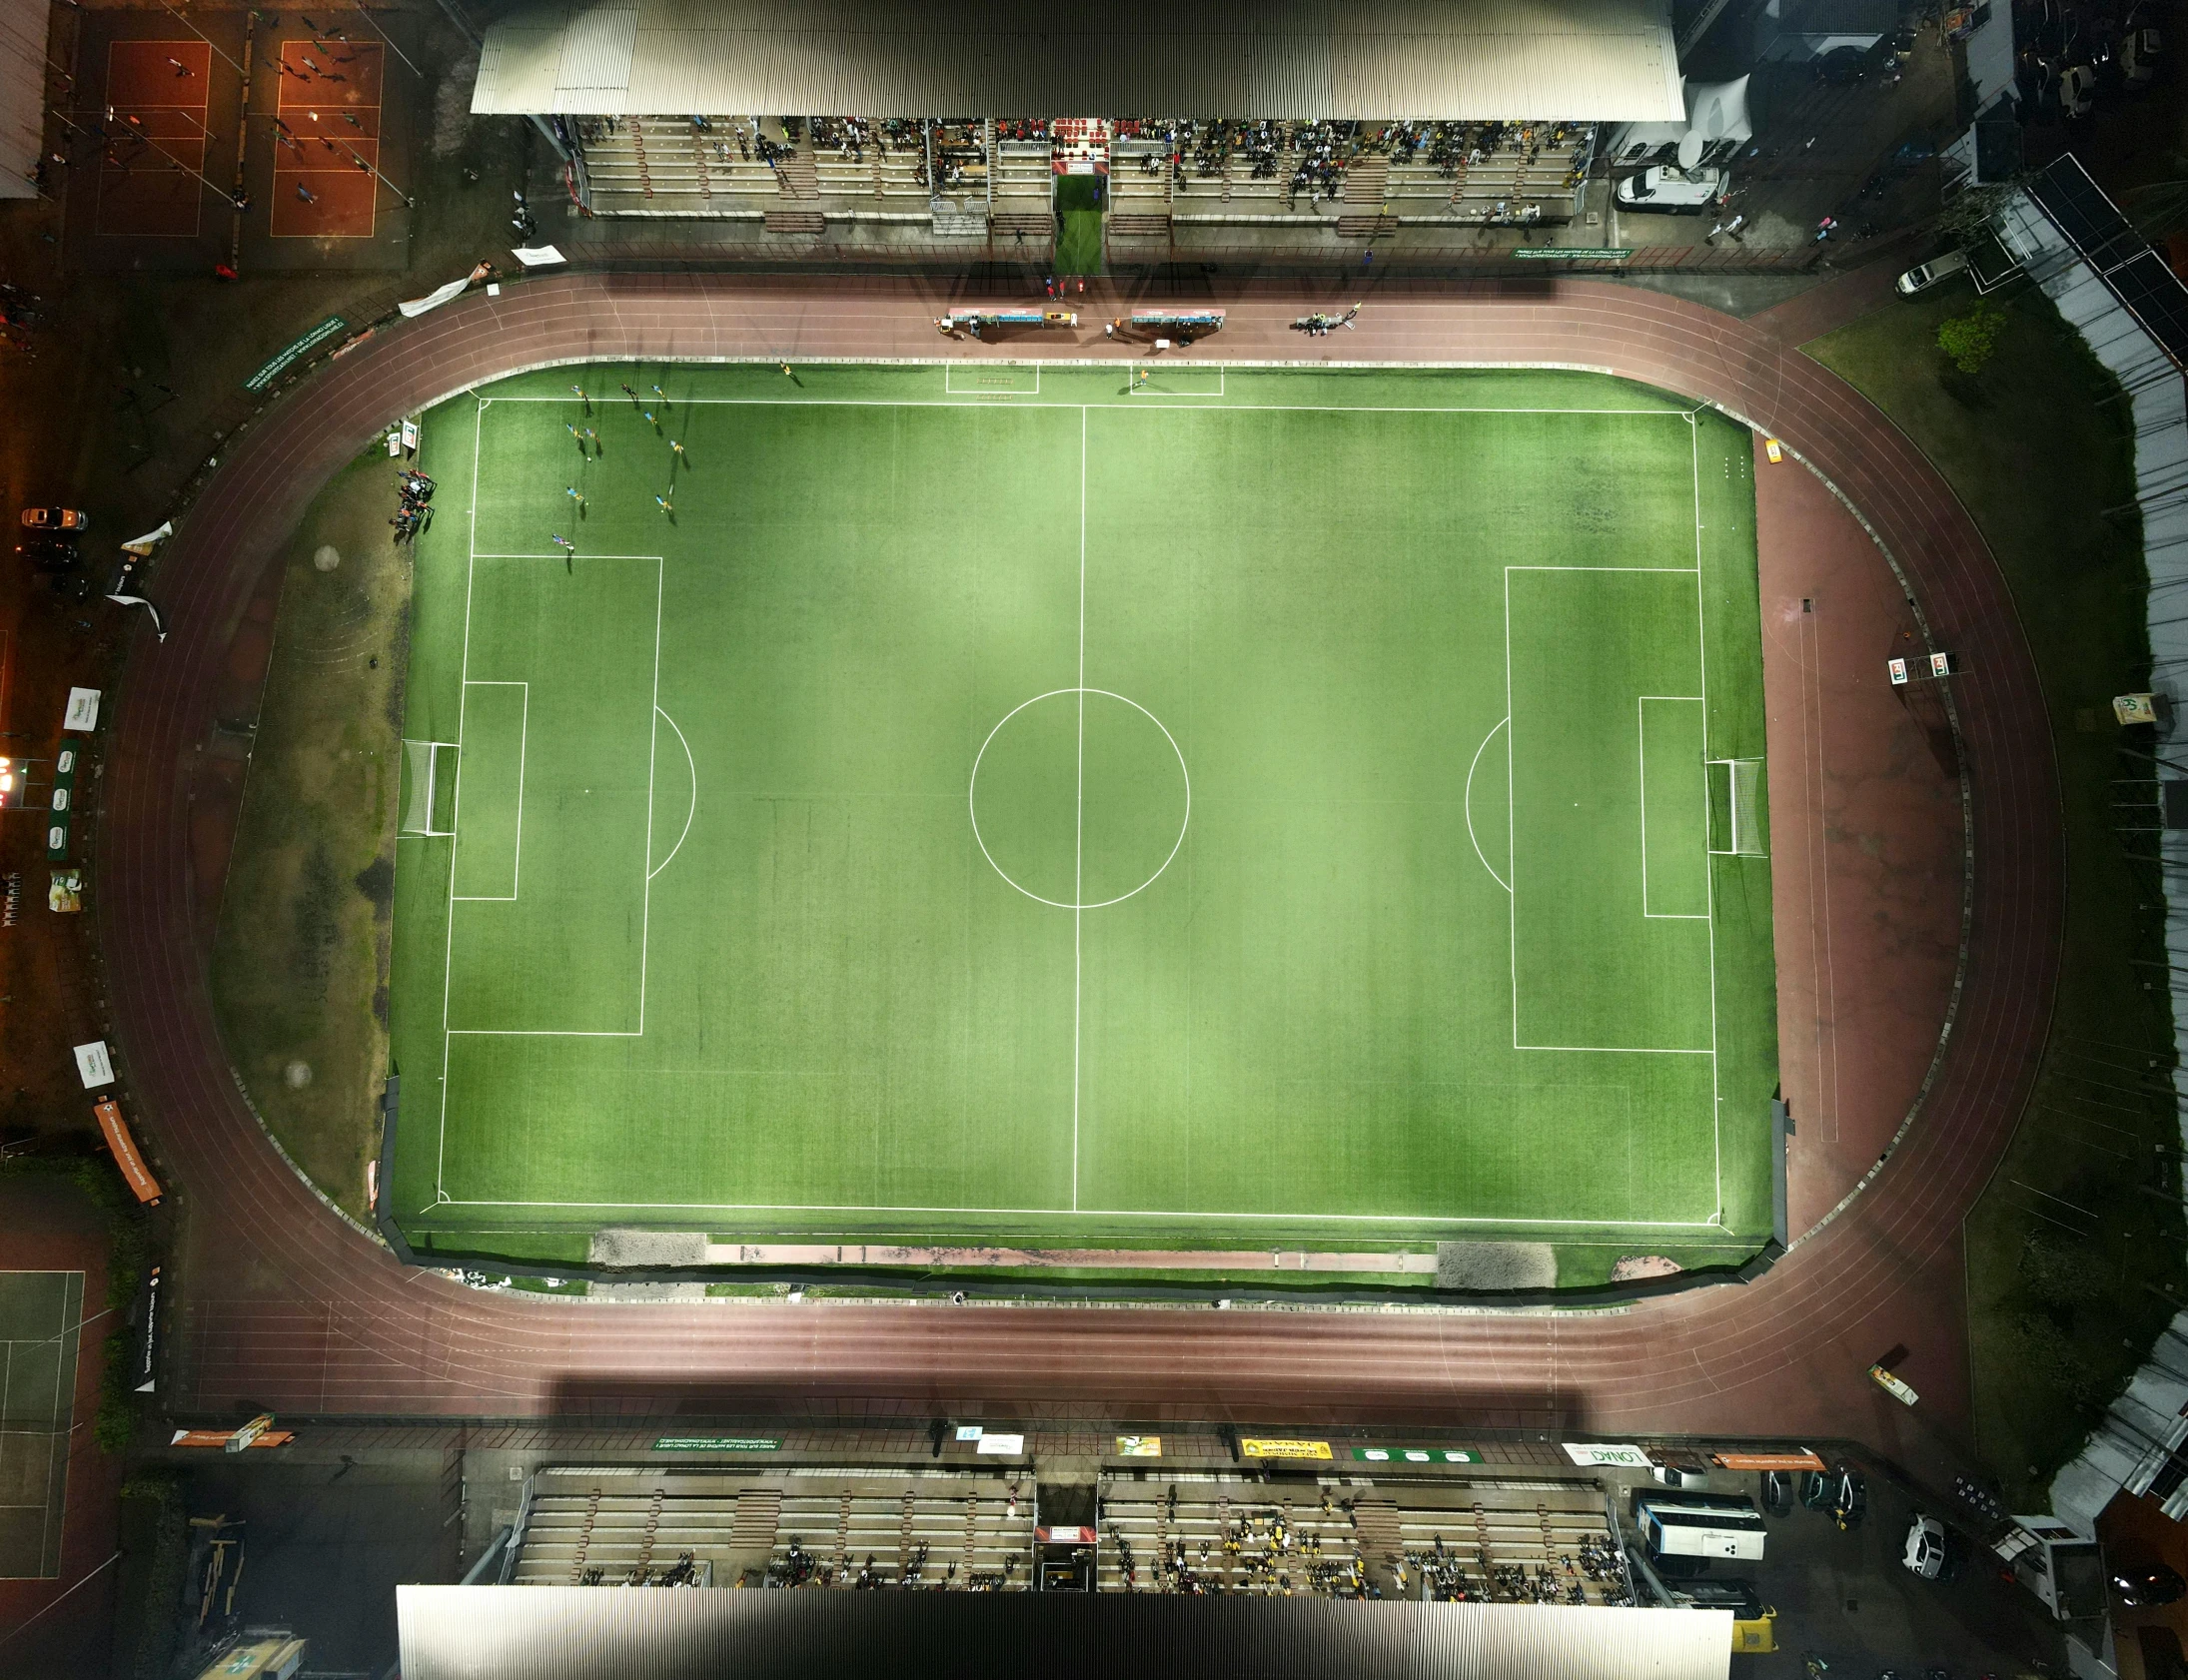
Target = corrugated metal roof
(1584,60)
(684,1633)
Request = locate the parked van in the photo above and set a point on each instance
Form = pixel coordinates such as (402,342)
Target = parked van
(1677,192)
(1923,276)
(1701,1525)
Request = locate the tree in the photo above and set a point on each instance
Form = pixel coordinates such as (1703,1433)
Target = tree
(1971,339)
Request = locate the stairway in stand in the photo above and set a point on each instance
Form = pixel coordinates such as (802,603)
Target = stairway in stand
(1363,195)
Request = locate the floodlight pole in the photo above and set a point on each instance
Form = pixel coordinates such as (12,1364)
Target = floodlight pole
(201,35)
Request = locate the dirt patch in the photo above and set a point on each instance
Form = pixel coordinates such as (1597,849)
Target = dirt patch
(1495,1265)
(625,1246)
(300,964)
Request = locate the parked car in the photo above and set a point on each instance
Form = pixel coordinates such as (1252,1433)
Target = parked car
(1924,1551)
(1677,192)
(2148,1585)
(2139,57)
(48,550)
(1923,276)
(2077,92)
(1678,1475)
(55,518)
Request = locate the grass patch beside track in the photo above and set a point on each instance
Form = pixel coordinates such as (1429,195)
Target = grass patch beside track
(2065,1254)
(300,964)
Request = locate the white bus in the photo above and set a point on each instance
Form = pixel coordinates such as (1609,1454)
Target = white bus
(1701,1525)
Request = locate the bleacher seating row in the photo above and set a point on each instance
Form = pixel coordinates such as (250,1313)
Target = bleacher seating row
(728,165)
(1515,1542)
(617,1526)
(959,1530)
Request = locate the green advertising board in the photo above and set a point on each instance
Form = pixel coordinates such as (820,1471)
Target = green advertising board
(281,359)
(1416,1456)
(1575,253)
(718,1443)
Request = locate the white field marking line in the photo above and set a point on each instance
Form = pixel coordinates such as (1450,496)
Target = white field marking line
(1240,407)
(1141,391)
(693,809)
(1461,1220)
(1641,706)
(1079,833)
(1467,800)
(973,787)
(523,729)
(455,810)
(949,371)
(1512,821)
(1709,885)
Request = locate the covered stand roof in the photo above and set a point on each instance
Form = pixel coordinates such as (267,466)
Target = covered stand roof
(684,1633)
(1582,60)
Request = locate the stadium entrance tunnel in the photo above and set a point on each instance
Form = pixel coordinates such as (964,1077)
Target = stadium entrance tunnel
(1080,798)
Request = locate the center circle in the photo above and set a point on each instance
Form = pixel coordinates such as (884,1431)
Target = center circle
(1080,798)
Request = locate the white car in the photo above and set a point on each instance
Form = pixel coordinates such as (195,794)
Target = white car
(1923,276)
(1676,191)
(2139,57)
(2077,91)
(1925,1549)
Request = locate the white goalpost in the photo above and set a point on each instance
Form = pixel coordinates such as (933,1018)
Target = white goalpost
(1735,807)
(422,770)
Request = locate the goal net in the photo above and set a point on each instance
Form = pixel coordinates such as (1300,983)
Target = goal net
(1736,808)
(425,809)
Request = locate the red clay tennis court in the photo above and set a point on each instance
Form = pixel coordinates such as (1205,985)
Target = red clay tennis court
(329,111)
(156,148)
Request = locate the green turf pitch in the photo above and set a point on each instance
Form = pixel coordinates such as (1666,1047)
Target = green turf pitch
(1023,803)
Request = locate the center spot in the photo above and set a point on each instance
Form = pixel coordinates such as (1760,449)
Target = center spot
(1080,798)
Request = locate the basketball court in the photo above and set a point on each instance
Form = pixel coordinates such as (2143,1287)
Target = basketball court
(329,111)
(156,139)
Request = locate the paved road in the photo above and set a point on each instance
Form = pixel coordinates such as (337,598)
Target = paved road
(290,1307)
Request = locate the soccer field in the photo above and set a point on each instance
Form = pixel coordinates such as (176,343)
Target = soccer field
(1014,803)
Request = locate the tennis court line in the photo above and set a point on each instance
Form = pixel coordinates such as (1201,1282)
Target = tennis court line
(1641,749)
(524,734)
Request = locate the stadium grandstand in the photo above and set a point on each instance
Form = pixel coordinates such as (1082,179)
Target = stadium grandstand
(1360,119)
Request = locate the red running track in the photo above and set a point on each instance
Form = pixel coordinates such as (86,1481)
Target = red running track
(290,1307)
